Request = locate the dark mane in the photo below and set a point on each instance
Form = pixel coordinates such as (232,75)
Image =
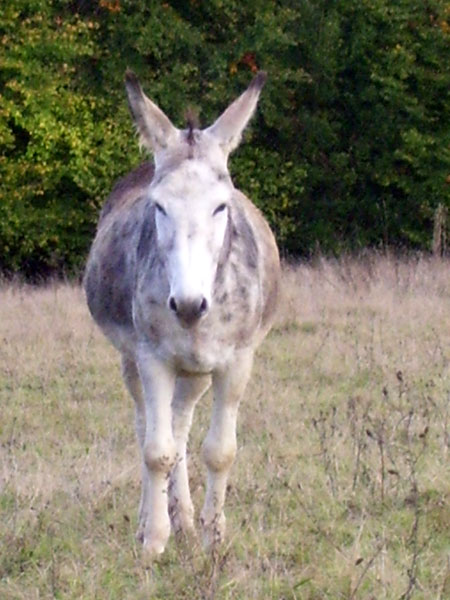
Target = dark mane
(192,123)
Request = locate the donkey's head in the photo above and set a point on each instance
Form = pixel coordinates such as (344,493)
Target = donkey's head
(191,191)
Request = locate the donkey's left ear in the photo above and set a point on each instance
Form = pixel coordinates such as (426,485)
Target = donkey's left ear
(229,126)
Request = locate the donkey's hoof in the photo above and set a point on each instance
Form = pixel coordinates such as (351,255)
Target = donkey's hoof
(155,538)
(140,532)
(182,524)
(213,531)
(152,549)
(140,536)
(154,543)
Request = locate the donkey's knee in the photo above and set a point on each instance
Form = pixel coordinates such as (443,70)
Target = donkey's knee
(159,456)
(219,455)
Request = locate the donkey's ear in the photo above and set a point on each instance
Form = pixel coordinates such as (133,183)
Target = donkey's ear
(229,126)
(155,129)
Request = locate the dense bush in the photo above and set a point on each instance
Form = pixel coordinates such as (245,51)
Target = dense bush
(350,146)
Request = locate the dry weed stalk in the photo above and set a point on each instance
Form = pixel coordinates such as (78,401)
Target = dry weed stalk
(326,429)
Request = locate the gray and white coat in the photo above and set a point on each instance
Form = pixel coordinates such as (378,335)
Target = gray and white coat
(183,278)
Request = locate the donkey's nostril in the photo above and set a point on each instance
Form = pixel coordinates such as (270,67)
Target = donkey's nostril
(173,304)
(203,306)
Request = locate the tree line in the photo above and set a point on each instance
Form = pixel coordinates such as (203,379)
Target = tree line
(350,147)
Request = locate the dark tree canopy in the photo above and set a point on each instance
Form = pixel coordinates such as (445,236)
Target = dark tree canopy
(350,147)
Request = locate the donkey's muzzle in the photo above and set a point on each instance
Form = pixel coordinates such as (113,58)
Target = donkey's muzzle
(189,312)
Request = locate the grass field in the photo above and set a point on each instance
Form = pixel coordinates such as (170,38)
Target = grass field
(341,486)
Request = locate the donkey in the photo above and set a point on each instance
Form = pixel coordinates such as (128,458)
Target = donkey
(183,277)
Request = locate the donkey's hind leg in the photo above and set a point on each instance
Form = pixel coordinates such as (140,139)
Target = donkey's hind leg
(188,391)
(133,383)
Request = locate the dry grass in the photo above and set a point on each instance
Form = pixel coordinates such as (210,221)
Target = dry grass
(341,485)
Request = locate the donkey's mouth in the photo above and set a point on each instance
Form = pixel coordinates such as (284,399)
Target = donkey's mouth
(189,321)
(189,312)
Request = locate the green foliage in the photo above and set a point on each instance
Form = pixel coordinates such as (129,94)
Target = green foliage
(60,142)
(350,146)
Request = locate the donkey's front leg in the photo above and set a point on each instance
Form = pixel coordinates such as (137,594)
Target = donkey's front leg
(188,391)
(159,451)
(219,447)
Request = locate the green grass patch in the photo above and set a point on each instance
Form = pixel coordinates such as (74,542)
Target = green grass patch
(340,485)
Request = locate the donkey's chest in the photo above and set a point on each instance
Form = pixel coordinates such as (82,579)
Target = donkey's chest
(207,346)
(192,353)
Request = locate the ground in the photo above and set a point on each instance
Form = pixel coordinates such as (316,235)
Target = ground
(341,486)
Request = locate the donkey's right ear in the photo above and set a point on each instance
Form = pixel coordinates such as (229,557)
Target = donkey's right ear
(156,131)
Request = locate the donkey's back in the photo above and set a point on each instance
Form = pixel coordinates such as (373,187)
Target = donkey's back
(128,189)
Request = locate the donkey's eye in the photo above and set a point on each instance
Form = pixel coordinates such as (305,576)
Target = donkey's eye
(160,209)
(219,209)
